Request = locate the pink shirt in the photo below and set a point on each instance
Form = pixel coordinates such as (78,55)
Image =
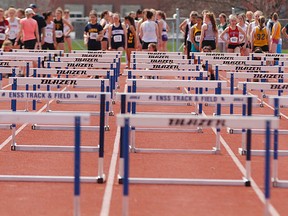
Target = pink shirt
(29,27)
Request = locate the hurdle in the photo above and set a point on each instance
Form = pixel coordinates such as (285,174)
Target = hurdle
(216,85)
(3,70)
(12,64)
(134,73)
(179,99)
(126,121)
(257,86)
(158,66)
(278,102)
(89,65)
(252,75)
(73,72)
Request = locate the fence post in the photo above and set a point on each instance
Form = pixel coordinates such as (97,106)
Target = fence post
(177,28)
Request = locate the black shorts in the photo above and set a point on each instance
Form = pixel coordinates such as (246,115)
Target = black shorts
(47,46)
(117,45)
(60,40)
(233,46)
(104,39)
(210,43)
(188,47)
(146,44)
(30,44)
(12,41)
(264,48)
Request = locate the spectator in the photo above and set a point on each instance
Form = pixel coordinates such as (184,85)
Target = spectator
(4,26)
(152,47)
(221,27)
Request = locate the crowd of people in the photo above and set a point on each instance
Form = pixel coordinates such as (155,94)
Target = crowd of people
(241,33)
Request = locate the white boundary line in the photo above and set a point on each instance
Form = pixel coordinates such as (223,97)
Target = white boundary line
(111,175)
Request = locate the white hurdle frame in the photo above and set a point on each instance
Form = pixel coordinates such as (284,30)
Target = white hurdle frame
(126,121)
(159,99)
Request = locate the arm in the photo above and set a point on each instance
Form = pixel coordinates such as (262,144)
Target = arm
(132,29)
(182,26)
(109,36)
(284,31)
(69,25)
(125,35)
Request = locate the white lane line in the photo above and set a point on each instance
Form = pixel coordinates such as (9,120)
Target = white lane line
(111,175)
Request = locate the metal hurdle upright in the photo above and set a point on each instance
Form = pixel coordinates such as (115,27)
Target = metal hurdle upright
(125,121)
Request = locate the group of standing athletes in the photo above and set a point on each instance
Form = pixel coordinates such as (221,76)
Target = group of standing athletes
(26,29)
(242,33)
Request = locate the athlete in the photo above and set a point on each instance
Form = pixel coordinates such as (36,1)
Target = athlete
(117,34)
(14,23)
(67,37)
(251,26)
(243,25)
(233,35)
(106,17)
(276,33)
(260,36)
(131,38)
(59,28)
(93,32)
(48,38)
(163,29)
(221,27)
(185,28)
(149,32)
(195,34)
(209,32)
(4,26)
(29,31)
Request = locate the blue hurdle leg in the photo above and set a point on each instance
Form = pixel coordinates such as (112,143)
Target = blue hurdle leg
(77,167)
(267,168)
(125,209)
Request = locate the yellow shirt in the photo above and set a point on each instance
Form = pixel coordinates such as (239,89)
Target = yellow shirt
(278,31)
(260,37)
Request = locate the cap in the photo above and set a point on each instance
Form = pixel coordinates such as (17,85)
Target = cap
(29,11)
(32,6)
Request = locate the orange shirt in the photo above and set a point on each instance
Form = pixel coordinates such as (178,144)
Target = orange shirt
(29,27)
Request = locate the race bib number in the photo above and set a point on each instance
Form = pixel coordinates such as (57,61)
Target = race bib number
(48,34)
(117,38)
(234,40)
(93,36)
(58,33)
(12,34)
(197,38)
(2,36)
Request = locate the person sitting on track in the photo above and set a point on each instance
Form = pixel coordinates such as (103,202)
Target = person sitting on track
(209,69)
(152,47)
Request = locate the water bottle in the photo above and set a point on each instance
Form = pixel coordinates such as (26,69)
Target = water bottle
(279,46)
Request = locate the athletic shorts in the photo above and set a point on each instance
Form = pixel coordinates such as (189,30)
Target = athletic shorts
(47,46)
(210,43)
(233,46)
(264,48)
(30,44)
(145,44)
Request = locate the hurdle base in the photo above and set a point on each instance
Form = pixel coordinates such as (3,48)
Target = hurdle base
(176,130)
(256,131)
(107,128)
(262,152)
(60,179)
(183,181)
(51,148)
(63,127)
(5,126)
(242,151)
(279,183)
(175,151)
(101,179)
(111,113)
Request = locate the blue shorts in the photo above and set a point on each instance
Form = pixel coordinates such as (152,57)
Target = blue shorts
(193,48)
